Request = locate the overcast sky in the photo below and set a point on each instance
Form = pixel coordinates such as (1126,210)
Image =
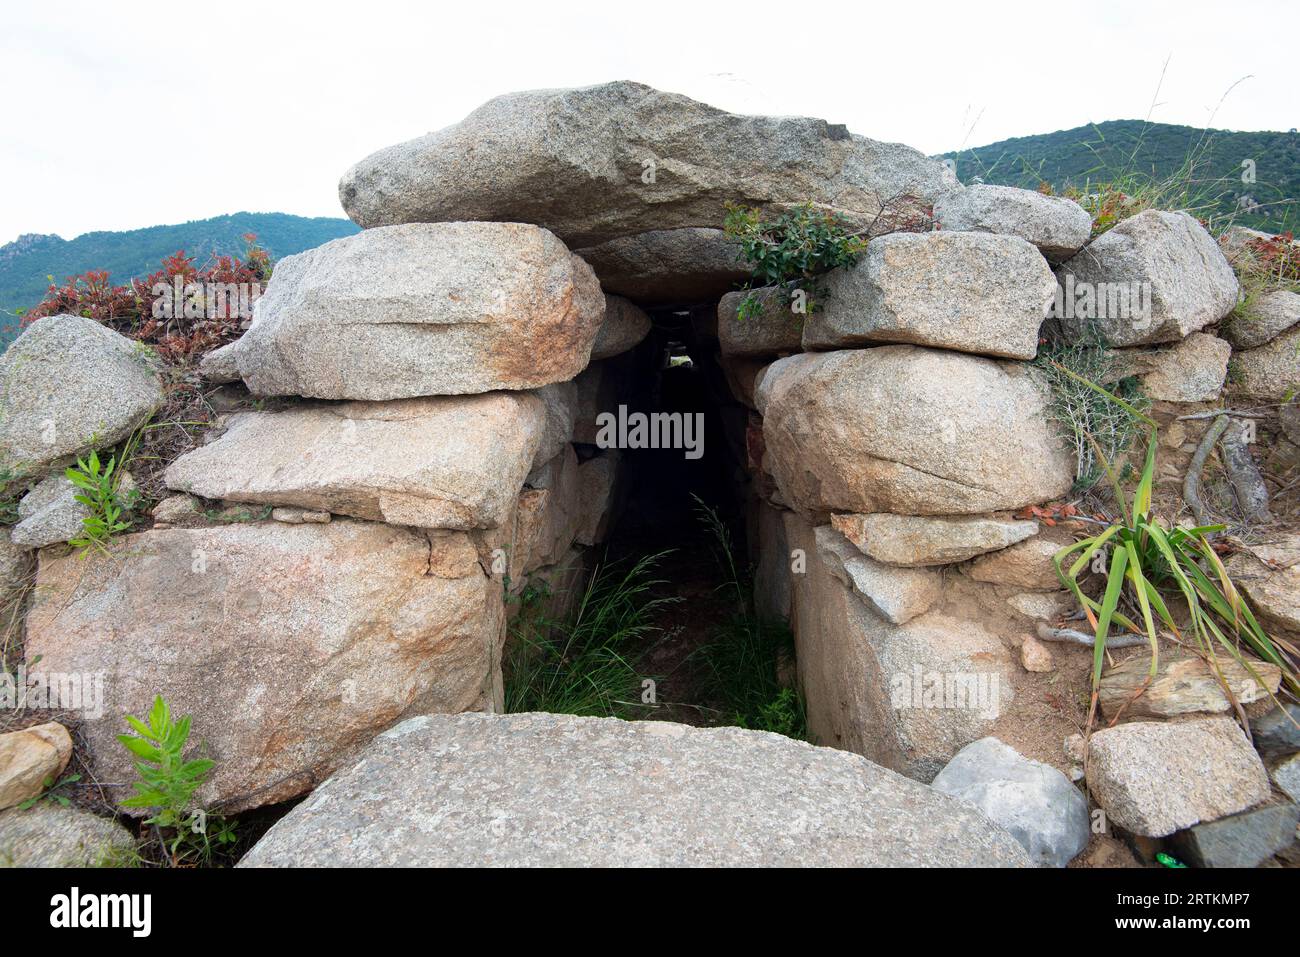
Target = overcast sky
(118,116)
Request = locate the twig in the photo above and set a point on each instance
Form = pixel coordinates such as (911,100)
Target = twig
(1069,636)
(1192,483)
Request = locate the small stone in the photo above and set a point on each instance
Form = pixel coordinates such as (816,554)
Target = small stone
(1188,282)
(30,757)
(1240,840)
(1057,226)
(1286,775)
(1263,320)
(50,512)
(972,292)
(896,594)
(69,384)
(1035,656)
(1043,606)
(772,329)
(669,266)
(298,516)
(1270,371)
(913,540)
(1191,371)
(1032,800)
(1026,565)
(48,835)
(624,327)
(1278,732)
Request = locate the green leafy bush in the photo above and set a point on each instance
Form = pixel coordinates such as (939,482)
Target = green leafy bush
(790,251)
(99,493)
(167,784)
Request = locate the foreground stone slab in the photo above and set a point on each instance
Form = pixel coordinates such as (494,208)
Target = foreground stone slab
(1156,778)
(1191,284)
(449,462)
(909,430)
(29,757)
(423,309)
(972,292)
(47,835)
(919,540)
(599,162)
(668,266)
(1057,226)
(290,645)
(1034,801)
(67,385)
(546,790)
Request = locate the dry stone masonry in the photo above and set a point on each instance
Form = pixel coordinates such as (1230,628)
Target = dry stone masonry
(327,592)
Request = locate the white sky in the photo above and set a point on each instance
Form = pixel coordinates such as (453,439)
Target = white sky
(117,116)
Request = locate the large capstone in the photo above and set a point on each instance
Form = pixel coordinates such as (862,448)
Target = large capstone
(600,162)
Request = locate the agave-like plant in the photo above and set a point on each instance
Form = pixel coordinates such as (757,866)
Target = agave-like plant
(1155,567)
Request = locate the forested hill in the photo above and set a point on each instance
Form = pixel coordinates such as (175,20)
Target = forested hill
(27,263)
(1135,151)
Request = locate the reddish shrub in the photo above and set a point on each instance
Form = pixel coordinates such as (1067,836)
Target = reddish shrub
(174,309)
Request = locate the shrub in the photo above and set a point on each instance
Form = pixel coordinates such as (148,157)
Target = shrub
(790,251)
(129,309)
(1084,418)
(100,494)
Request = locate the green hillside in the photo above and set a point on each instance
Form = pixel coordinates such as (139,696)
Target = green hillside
(1203,168)
(26,264)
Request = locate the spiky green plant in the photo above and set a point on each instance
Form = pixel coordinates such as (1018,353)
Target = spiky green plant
(1152,567)
(586,664)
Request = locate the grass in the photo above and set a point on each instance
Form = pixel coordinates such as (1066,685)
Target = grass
(1157,572)
(1084,418)
(745,657)
(587,664)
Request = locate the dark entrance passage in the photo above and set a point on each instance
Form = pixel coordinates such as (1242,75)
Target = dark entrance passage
(675,503)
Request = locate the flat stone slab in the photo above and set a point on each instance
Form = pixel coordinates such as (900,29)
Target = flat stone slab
(445,462)
(556,790)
